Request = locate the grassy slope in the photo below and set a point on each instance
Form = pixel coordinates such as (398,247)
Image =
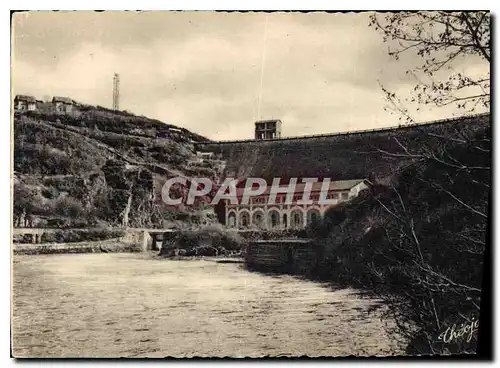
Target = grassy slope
(80,169)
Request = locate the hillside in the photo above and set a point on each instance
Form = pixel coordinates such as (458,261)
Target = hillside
(102,167)
(96,167)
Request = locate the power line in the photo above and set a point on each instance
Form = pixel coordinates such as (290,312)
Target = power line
(263,60)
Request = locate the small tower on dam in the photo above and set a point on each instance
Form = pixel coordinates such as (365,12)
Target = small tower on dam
(268,129)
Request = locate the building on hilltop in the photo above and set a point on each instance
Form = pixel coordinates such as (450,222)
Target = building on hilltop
(268,129)
(58,104)
(258,213)
(63,104)
(24,103)
(44,106)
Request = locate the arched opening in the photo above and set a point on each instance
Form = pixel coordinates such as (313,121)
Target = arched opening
(258,219)
(297,219)
(285,221)
(244,219)
(274,219)
(231,219)
(313,215)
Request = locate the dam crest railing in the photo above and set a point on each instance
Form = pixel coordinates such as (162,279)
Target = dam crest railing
(375,130)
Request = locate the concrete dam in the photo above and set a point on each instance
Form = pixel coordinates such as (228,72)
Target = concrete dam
(358,154)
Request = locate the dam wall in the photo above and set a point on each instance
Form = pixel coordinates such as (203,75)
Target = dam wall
(374,153)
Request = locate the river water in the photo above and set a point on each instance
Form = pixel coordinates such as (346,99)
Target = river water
(132,305)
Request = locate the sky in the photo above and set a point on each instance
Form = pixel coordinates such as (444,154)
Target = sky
(217,73)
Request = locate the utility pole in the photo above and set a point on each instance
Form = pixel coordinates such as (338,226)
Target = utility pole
(116,92)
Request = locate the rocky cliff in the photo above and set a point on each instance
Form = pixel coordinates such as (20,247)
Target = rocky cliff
(97,167)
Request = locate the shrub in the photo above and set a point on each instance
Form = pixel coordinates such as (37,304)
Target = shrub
(210,236)
(68,207)
(73,235)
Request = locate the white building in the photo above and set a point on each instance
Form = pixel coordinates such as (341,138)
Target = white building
(258,213)
(24,103)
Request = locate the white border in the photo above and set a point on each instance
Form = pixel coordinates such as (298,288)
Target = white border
(249,5)
(176,5)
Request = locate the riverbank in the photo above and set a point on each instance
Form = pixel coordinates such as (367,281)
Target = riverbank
(104,246)
(217,259)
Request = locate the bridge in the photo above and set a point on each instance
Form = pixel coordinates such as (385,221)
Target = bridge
(34,233)
(147,239)
(157,235)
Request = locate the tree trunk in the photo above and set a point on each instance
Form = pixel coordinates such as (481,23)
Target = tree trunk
(126,211)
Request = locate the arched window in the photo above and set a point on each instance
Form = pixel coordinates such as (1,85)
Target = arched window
(244,219)
(274,219)
(231,219)
(258,219)
(297,219)
(313,215)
